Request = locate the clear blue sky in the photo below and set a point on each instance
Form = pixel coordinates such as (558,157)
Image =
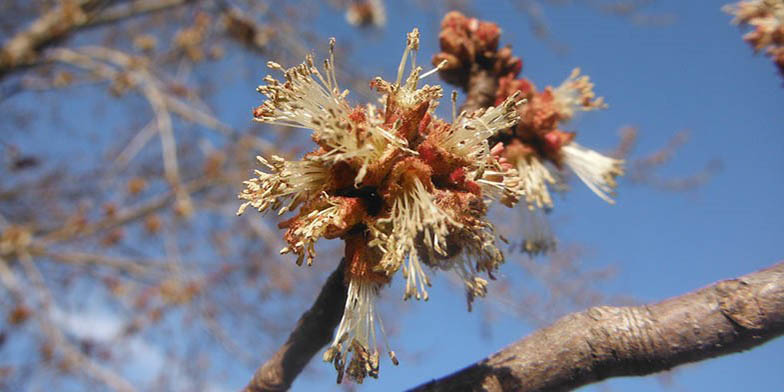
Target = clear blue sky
(694,74)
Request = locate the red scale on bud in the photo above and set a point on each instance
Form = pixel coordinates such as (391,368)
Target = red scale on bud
(457,177)
(409,129)
(553,141)
(360,260)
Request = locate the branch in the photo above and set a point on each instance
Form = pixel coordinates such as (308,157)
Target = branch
(603,342)
(482,85)
(313,331)
(133,9)
(22,50)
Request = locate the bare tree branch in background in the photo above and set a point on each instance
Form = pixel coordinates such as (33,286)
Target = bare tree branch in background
(127,230)
(23,49)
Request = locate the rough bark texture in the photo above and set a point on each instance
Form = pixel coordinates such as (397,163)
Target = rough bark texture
(313,331)
(603,342)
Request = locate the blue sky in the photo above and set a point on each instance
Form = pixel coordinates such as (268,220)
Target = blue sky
(693,74)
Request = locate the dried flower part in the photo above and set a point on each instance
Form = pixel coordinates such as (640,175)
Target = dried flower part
(508,85)
(519,168)
(468,135)
(356,334)
(403,96)
(537,140)
(533,179)
(501,185)
(307,100)
(294,180)
(576,94)
(548,109)
(766,18)
(191,39)
(470,249)
(414,222)
(327,217)
(244,29)
(404,190)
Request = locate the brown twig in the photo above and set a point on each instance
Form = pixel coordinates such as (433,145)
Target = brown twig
(23,49)
(603,342)
(482,85)
(313,331)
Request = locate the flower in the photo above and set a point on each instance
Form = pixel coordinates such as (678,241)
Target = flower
(527,160)
(536,150)
(533,177)
(575,94)
(766,17)
(405,190)
(597,171)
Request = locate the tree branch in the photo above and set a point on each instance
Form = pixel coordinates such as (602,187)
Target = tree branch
(603,342)
(313,331)
(482,85)
(23,49)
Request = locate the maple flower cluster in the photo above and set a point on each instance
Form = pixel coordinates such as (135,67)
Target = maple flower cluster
(402,188)
(407,191)
(537,144)
(534,153)
(766,17)
(537,149)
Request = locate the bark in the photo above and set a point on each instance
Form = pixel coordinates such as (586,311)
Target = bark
(313,331)
(603,342)
(481,88)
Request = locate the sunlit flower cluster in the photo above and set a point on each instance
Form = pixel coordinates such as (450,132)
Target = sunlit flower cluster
(405,190)
(766,18)
(532,157)
(537,145)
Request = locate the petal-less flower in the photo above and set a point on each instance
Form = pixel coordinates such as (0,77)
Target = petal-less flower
(537,142)
(404,190)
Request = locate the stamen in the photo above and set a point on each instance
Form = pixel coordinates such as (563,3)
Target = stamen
(597,171)
(440,66)
(356,334)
